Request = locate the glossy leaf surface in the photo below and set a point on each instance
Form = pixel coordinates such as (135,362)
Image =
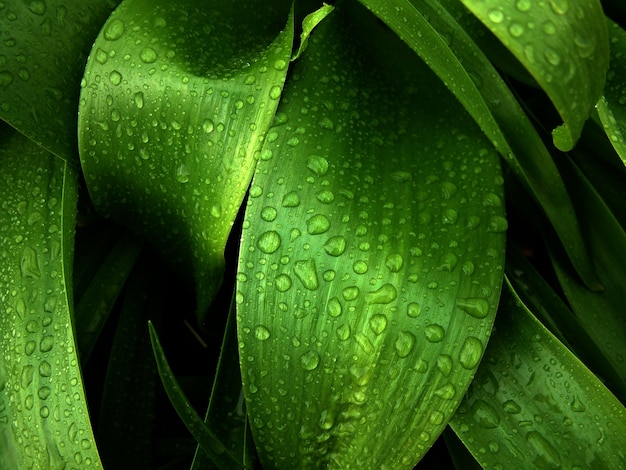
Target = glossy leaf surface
(371,256)
(176,101)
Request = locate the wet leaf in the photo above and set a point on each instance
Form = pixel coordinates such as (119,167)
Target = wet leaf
(43,48)
(176,101)
(371,256)
(534,405)
(44,422)
(563,44)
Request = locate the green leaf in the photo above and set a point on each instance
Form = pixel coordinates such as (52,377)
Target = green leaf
(207,440)
(176,101)
(612,105)
(465,70)
(308,25)
(563,44)
(600,313)
(42,56)
(534,405)
(44,422)
(371,256)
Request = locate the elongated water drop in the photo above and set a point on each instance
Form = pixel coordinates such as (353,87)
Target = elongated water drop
(306,272)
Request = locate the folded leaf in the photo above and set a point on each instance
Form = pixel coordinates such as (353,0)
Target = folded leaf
(371,256)
(42,56)
(563,44)
(534,405)
(177,99)
(44,421)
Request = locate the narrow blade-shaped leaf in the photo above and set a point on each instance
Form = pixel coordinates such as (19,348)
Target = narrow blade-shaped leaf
(371,256)
(534,405)
(43,414)
(176,101)
(43,48)
(563,44)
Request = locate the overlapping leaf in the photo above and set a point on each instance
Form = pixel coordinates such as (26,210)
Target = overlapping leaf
(371,257)
(534,405)
(563,44)
(176,101)
(43,48)
(43,413)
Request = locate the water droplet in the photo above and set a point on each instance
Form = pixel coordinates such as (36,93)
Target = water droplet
(343,332)
(495,16)
(576,405)
(38,7)
(516,29)
(275,92)
(138,97)
(449,217)
(6,78)
(448,262)
(268,213)
(401,176)
(317,164)
(547,456)
(444,364)
(448,190)
(182,174)
(46,344)
(394,262)
(291,199)
(446,392)
(335,246)
(436,417)
(44,412)
(317,224)
(434,333)
(114,30)
(269,242)
(329,275)
(404,343)
(523,5)
(29,265)
(45,369)
(478,308)
(360,267)
(44,392)
(484,414)
(548,27)
(148,55)
(208,126)
(101,56)
(325,196)
(378,323)
(511,407)
(471,352)
(306,272)
(333,308)
(413,310)
(280,64)
(282,282)
(310,360)
(386,294)
(560,7)
(28,373)
(261,333)
(350,293)
(115,77)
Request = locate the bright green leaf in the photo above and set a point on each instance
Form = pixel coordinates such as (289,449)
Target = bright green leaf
(534,405)
(44,421)
(563,44)
(43,48)
(371,256)
(176,101)
(308,25)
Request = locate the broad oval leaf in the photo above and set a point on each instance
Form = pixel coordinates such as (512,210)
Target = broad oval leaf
(563,44)
(176,101)
(43,48)
(44,421)
(371,257)
(535,405)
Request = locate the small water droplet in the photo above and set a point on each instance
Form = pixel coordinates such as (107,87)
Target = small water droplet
(38,7)
(182,174)
(495,16)
(576,405)
(386,294)
(333,308)
(208,126)
(484,414)
(310,360)
(306,272)
(434,333)
(523,5)
(268,213)
(45,369)
(350,293)
(444,364)
(394,262)
(46,344)
(413,310)
(29,265)
(275,92)
(148,55)
(325,196)
(471,352)
(449,217)
(436,418)
(476,307)
(44,392)
(360,267)
(560,7)
(335,246)
(261,333)
(115,77)
(28,373)
(401,176)
(511,407)
(282,282)
(317,164)
(548,27)
(448,262)
(114,30)
(516,29)
(404,343)
(343,332)
(291,199)
(269,242)
(317,224)
(547,455)
(378,323)
(446,392)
